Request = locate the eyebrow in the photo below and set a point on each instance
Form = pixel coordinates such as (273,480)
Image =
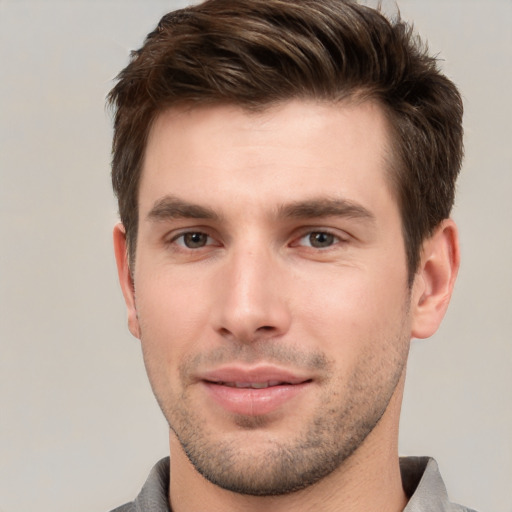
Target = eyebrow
(325,207)
(170,207)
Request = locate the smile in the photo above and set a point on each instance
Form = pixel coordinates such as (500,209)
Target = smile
(253,385)
(253,391)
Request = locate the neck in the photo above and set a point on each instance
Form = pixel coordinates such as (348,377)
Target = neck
(368,480)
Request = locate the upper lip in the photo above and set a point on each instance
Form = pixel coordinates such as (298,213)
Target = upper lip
(271,375)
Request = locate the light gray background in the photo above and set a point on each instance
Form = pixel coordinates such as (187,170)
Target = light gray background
(79,426)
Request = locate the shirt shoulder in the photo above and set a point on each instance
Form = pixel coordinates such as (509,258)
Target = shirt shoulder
(460,508)
(127,507)
(154,494)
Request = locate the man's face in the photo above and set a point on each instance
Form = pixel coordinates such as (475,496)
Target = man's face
(271,291)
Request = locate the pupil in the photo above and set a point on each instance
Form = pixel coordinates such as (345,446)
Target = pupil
(321,239)
(194,240)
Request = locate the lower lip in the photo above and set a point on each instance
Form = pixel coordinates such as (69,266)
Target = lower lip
(253,402)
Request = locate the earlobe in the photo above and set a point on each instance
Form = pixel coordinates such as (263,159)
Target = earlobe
(125,278)
(435,279)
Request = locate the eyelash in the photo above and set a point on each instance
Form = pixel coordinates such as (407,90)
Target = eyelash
(175,239)
(332,238)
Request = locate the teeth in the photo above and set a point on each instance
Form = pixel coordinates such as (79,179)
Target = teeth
(253,385)
(260,385)
(243,385)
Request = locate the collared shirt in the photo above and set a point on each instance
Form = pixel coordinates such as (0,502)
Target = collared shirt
(421,480)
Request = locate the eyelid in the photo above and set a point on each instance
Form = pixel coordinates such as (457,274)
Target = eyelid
(181,238)
(214,240)
(172,239)
(341,237)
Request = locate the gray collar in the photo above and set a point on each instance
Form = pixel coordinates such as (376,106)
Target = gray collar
(421,480)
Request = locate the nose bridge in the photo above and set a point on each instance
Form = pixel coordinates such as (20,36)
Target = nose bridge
(253,299)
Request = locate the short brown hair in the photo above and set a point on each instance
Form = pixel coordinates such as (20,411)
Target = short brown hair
(255,53)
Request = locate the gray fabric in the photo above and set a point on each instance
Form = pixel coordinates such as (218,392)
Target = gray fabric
(420,477)
(153,496)
(424,486)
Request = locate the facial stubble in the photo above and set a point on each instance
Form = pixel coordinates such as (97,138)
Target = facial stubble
(348,410)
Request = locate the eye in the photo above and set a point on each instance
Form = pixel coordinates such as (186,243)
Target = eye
(193,240)
(319,239)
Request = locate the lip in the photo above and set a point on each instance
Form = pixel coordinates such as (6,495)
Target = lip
(253,391)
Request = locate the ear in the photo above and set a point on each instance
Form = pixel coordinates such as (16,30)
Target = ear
(435,279)
(125,278)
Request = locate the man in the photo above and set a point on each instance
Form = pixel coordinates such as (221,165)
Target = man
(285,172)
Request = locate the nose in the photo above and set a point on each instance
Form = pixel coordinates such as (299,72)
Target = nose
(251,300)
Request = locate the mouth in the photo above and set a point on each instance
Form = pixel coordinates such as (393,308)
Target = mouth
(255,385)
(256,391)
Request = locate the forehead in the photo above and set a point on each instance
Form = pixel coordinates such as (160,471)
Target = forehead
(223,154)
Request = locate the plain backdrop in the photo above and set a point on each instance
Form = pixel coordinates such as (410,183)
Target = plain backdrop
(79,426)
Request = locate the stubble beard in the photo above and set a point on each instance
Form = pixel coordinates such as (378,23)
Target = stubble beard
(273,467)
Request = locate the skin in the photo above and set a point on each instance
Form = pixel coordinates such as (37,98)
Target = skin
(240,264)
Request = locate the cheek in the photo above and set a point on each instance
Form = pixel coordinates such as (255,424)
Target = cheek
(171,315)
(357,309)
